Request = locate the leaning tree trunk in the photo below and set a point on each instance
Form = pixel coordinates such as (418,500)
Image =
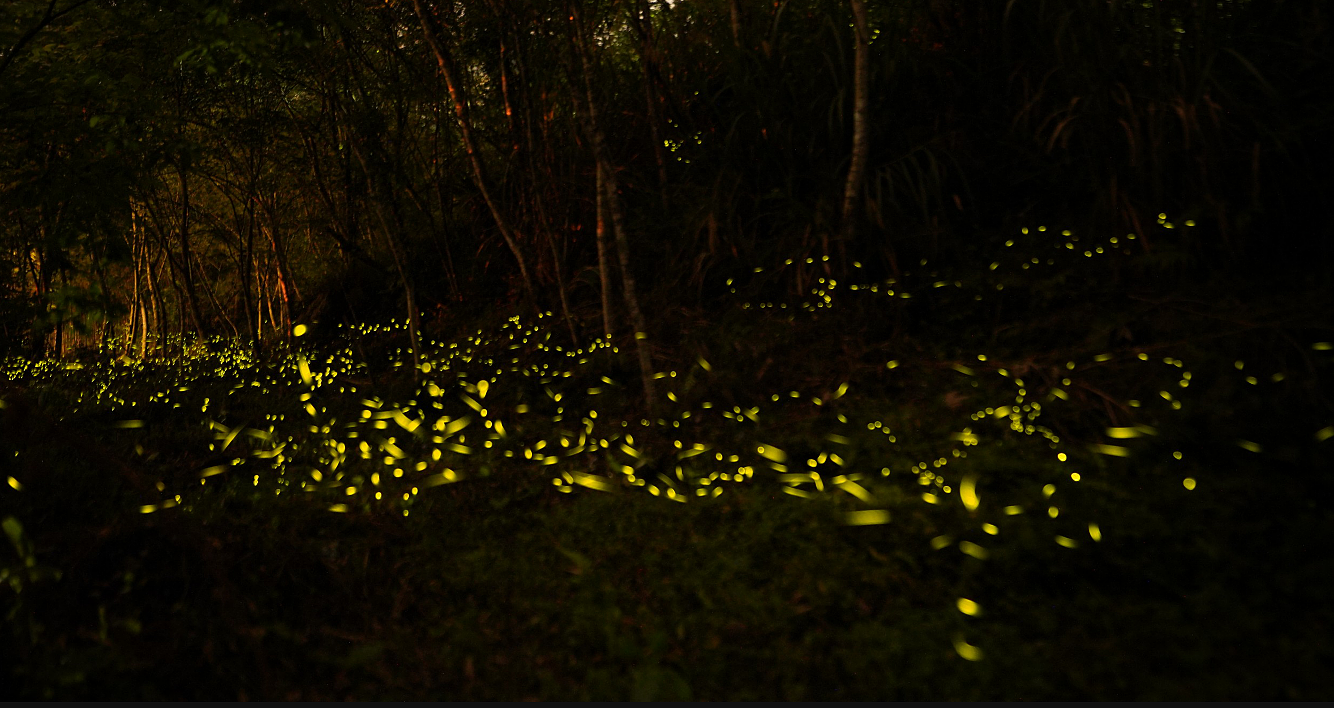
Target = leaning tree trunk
(448,71)
(860,88)
(599,145)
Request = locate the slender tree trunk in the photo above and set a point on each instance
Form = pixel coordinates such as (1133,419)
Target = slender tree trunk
(443,242)
(392,228)
(44,277)
(736,22)
(191,300)
(560,286)
(105,329)
(143,333)
(247,268)
(182,310)
(614,208)
(559,266)
(268,303)
(155,299)
(505,94)
(136,305)
(261,296)
(650,97)
(409,291)
(280,270)
(60,334)
(213,298)
(860,151)
(604,265)
(456,93)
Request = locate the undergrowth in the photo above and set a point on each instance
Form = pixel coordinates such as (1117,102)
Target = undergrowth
(1009,482)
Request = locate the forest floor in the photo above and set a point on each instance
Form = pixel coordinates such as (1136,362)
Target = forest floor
(1033,481)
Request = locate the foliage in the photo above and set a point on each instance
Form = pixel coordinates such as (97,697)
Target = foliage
(208,149)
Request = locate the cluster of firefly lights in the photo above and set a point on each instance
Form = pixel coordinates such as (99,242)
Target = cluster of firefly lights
(383,454)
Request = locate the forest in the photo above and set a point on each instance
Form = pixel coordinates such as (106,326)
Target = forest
(666,349)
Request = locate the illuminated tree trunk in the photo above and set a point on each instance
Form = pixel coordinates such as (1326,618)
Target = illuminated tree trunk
(860,151)
(137,302)
(285,286)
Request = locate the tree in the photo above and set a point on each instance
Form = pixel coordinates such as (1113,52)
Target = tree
(456,93)
(852,189)
(608,186)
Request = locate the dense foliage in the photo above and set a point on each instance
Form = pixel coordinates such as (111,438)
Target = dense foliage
(209,167)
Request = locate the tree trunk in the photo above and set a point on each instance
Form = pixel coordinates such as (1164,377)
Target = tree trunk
(155,299)
(598,143)
(860,152)
(247,270)
(379,197)
(650,97)
(447,70)
(604,267)
(192,300)
(104,335)
(736,22)
(559,266)
(268,303)
(261,297)
(285,287)
(217,305)
(136,304)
